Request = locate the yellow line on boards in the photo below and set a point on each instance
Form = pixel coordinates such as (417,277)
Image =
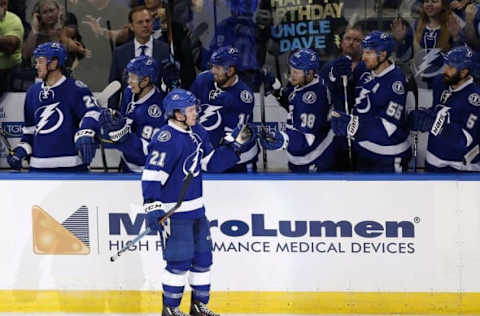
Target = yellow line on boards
(244,302)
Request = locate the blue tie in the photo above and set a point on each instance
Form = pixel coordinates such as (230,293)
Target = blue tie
(143,48)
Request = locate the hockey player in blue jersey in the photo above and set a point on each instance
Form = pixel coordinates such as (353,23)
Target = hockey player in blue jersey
(308,138)
(141,114)
(61,118)
(452,123)
(378,127)
(181,149)
(227,102)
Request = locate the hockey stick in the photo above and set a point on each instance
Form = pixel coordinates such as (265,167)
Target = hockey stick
(110,39)
(349,140)
(3,137)
(263,122)
(183,191)
(414,88)
(102,100)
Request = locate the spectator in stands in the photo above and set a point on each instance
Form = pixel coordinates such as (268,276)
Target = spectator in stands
(437,28)
(19,7)
(124,34)
(49,24)
(11,36)
(143,44)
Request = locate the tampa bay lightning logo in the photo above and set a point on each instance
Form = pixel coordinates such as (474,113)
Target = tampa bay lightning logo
(398,88)
(210,116)
(474,99)
(154,111)
(49,118)
(192,163)
(366,77)
(309,97)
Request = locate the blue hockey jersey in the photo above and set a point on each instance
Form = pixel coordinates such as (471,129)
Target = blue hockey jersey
(222,110)
(172,154)
(52,117)
(454,138)
(308,126)
(145,117)
(380,107)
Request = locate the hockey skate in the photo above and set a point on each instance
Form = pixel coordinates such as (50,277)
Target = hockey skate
(172,311)
(199,309)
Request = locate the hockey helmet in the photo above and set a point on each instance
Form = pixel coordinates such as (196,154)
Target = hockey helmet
(178,99)
(304,59)
(242,7)
(225,56)
(459,57)
(379,42)
(143,66)
(51,50)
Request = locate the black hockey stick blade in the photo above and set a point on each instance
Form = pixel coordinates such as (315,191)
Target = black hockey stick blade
(181,197)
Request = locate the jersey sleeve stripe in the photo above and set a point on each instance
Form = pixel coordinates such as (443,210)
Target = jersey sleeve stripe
(186,206)
(155,175)
(28,130)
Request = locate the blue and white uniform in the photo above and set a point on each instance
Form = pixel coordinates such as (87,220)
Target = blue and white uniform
(453,141)
(222,110)
(382,141)
(145,117)
(53,114)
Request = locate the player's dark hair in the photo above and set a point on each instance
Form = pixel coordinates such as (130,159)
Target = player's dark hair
(135,10)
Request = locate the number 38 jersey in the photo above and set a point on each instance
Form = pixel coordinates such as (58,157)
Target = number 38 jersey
(380,107)
(308,127)
(53,114)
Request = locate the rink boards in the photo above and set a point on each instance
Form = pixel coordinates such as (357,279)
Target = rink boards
(283,243)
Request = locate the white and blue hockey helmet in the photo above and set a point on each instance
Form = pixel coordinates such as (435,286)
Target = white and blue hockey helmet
(379,42)
(226,56)
(459,57)
(304,59)
(178,100)
(51,50)
(144,66)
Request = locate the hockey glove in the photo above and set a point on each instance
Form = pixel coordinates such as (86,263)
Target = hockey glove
(154,213)
(341,66)
(421,120)
(86,145)
(243,137)
(170,74)
(344,124)
(271,83)
(274,140)
(113,126)
(15,158)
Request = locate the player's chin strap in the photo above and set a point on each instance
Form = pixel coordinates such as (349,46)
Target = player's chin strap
(137,95)
(379,63)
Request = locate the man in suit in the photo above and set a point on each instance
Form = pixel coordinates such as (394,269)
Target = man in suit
(141,25)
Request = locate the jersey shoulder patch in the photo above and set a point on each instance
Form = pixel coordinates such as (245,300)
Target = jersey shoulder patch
(80,84)
(154,111)
(474,99)
(398,88)
(309,97)
(246,96)
(164,136)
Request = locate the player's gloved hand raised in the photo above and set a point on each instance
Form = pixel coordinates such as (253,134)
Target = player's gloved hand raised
(15,158)
(86,145)
(170,74)
(244,137)
(420,120)
(274,140)
(113,126)
(271,83)
(341,66)
(343,124)
(154,213)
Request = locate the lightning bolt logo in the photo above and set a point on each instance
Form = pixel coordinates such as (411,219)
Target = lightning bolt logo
(427,61)
(208,111)
(337,40)
(194,158)
(46,114)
